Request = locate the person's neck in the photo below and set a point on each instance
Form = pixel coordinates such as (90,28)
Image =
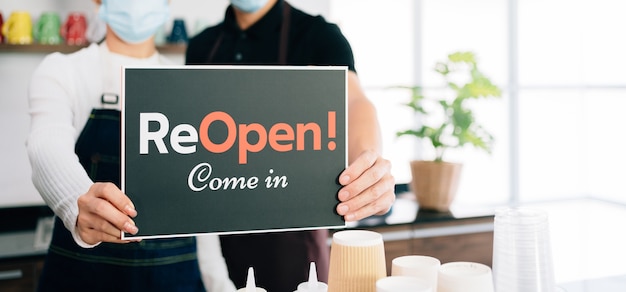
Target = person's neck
(141,50)
(246,20)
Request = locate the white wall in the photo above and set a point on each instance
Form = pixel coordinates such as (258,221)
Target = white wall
(16,188)
(15,185)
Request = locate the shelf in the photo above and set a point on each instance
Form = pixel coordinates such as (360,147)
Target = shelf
(172,49)
(39,48)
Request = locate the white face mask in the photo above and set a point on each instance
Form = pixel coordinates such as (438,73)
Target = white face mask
(248,6)
(134,21)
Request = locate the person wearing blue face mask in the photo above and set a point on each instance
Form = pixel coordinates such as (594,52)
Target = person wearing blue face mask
(74,149)
(271,32)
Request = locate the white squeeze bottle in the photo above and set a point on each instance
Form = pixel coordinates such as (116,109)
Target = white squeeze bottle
(312,285)
(250,283)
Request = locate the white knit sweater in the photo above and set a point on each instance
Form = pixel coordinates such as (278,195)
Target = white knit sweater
(62,92)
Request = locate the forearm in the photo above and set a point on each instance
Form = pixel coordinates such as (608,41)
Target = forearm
(363,128)
(367,181)
(57,175)
(56,171)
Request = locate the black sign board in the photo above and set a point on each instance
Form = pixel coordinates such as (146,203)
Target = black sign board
(233,149)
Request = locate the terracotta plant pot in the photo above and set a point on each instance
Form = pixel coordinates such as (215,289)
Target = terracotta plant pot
(435,183)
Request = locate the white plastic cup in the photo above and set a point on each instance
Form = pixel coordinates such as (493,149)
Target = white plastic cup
(403,284)
(522,256)
(465,277)
(419,266)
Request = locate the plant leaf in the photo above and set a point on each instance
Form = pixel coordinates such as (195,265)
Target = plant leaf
(457,126)
(462,57)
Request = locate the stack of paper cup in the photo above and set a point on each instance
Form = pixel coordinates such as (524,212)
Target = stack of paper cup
(403,284)
(357,261)
(522,256)
(465,277)
(418,266)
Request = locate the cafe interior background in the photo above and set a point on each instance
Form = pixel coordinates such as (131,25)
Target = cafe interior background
(559,143)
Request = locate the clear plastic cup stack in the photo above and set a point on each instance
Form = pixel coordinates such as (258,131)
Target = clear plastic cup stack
(522,255)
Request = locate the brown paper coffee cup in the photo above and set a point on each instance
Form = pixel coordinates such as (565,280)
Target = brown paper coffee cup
(357,261)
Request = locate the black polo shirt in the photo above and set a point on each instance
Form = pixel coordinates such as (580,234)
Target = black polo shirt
(311,41)
(281,259)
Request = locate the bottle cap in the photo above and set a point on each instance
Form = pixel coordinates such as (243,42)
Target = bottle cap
(312,285)
(250,283)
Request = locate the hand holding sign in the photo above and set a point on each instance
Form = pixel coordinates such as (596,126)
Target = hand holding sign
(368,187)
(103,211)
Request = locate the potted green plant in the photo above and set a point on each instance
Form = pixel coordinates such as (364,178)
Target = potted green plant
(446,123)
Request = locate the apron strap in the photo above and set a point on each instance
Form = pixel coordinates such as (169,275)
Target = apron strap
(284,34)
(217,44)
(109,98)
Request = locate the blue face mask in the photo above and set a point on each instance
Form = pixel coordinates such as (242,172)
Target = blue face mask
(134,21)
(248,6)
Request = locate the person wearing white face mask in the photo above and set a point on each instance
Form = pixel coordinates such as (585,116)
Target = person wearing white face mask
(73,146)
(271,32)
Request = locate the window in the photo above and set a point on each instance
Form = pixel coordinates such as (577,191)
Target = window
(382,40)
(559,62)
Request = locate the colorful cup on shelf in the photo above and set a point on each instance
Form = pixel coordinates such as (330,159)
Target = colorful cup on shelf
(47,29)
(18,28)
(1,34)
(178,35)
(74,29)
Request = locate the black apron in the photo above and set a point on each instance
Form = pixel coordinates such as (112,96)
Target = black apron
(280,260)
(149,265)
